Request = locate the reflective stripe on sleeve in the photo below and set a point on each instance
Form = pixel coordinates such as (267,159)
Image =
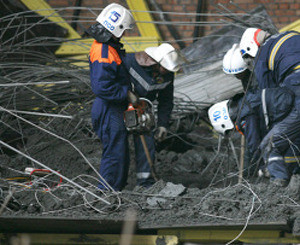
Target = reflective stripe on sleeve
(264,105)
(144,83)
(292,159)
(272,159)
(276,48)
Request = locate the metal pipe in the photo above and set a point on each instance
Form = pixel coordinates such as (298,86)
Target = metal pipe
(76,14)
(171,29)
(198,18)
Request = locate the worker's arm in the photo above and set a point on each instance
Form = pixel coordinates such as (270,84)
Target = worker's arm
(249,121)
(253,136)
(165,104)
(105,83)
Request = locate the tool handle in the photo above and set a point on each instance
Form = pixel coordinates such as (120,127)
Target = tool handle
(148,156)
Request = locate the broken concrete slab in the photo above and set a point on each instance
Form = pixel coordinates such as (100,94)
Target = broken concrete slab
(169,191)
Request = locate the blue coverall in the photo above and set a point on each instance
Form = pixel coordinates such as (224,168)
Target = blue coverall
(109,81)
(277,65)
(146,85)
(252,123)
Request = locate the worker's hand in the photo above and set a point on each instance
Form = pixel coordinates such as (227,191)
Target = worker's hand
(161,134)
(132,98)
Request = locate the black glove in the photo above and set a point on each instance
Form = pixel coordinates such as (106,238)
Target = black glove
(161,134)
(132,98)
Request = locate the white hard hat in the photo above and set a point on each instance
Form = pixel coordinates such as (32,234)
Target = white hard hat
(166,55)
(116,19)
(233,62)
(219,117)
(249,43)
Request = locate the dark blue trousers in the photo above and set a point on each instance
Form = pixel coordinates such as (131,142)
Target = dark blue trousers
(284,134)
(110,128)
(108,123)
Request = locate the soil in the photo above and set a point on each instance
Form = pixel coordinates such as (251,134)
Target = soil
(197,183)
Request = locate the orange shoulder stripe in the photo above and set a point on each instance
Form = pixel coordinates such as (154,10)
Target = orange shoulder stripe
(96,54)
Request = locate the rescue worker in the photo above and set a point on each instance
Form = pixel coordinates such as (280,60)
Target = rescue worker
(256,121)
(152,76)
(248,121)
(249,117)
(233,64)
(276,63)
(109,82)
(223,117)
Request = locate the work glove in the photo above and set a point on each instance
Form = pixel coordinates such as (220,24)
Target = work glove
(161,134)
(132,98)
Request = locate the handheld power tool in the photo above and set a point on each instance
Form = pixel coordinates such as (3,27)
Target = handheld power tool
(140,119)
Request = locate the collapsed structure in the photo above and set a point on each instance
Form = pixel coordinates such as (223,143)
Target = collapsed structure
(45,107)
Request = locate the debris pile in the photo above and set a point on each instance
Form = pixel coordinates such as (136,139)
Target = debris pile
(45,118)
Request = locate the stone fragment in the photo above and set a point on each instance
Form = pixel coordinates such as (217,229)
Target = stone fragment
(170,190)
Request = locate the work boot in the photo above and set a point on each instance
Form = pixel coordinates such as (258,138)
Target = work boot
(146,183)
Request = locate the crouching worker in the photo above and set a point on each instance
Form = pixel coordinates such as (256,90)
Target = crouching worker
(246,115)
(257,112)
(276,63)
(152,76)
(254,130)
(254,114)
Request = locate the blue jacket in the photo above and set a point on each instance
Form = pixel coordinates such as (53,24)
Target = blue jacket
(145,85)
(259,111)
(277,58)
(109,79)
(248,118)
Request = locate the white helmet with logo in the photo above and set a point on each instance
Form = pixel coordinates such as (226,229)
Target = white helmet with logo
(249,43)
(166,55)
(219,117)
(233,62)
(116,19)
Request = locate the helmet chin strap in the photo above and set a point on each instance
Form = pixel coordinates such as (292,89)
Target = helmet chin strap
(249,61)
(99,33)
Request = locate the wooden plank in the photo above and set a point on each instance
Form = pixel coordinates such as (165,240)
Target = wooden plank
(288,239)
(99,239)
(225,235)
(59,225)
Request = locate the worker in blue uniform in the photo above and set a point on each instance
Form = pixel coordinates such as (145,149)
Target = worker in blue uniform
(246,115)
(109,82)
(152,76)
(275,61)
(247,112)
